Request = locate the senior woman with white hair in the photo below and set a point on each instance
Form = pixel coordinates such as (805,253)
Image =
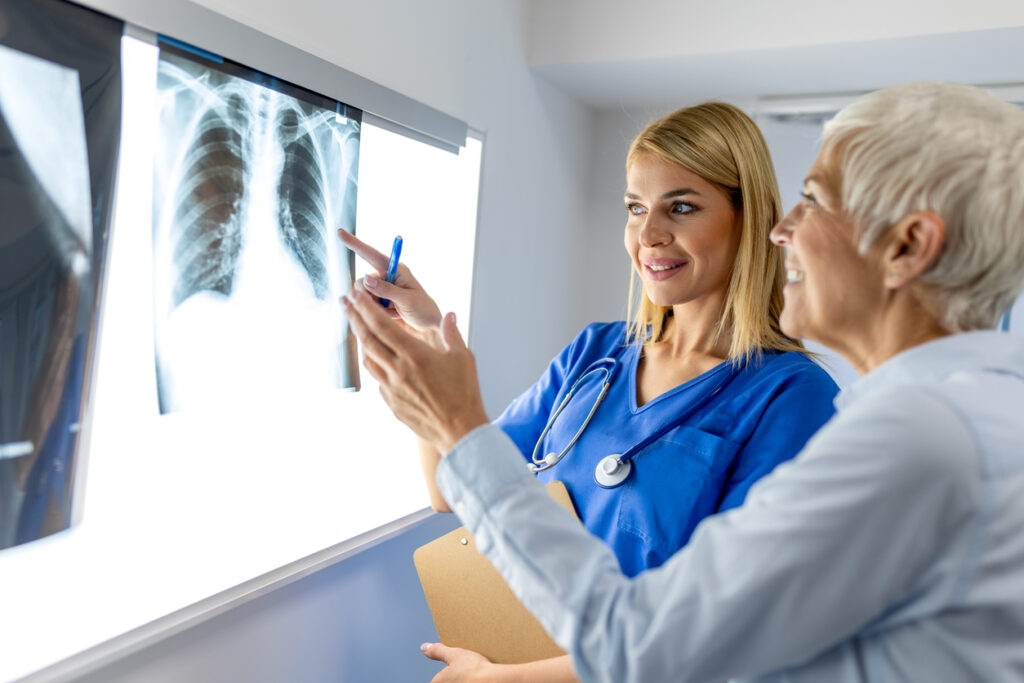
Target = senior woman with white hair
(892,547)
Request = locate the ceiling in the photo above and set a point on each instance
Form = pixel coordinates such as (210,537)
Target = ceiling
(610,58)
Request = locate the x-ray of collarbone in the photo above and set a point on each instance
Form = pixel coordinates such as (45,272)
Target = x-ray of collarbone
(249,187)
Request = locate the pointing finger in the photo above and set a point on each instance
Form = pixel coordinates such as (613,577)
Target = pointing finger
(364,250)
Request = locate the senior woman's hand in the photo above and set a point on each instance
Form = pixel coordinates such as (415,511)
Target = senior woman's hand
(431,388)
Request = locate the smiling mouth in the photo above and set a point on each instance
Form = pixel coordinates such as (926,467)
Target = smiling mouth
(794,275)
(663,271)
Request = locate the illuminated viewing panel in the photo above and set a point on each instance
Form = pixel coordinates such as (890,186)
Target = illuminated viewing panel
(225,440)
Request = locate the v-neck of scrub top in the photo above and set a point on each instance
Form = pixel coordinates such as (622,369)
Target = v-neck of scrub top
(634,363)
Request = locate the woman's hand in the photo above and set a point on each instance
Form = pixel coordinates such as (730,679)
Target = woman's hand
(433,388)
(462,665)
(409,301)
(466,665)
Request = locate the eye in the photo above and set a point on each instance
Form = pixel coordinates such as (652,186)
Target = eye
(809,198)
(682,208)
(634,209)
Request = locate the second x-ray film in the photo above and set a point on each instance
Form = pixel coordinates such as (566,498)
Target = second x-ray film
(252,178)
(60,120)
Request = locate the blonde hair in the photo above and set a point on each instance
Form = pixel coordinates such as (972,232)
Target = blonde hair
(721,144)
(952,149)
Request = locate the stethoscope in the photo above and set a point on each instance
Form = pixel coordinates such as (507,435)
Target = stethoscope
(614,469)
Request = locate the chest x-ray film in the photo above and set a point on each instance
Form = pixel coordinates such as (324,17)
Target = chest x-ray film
(60,97)
(252,178)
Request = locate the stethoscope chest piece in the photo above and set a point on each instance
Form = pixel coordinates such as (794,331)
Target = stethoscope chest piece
(612,471)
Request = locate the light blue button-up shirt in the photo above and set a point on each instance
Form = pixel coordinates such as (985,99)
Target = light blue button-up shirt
(890,549)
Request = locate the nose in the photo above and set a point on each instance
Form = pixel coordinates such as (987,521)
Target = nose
(782,231)
(652,233)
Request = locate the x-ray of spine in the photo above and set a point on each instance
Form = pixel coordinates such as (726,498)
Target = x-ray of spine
(250,185)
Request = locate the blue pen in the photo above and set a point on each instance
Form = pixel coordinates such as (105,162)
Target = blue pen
(396,252)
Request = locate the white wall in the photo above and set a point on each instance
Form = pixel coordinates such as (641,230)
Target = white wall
(607,266)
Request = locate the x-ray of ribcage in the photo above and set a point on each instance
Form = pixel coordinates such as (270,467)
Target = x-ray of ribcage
(250,186)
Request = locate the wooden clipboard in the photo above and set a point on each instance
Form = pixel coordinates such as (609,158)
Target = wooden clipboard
(473,607)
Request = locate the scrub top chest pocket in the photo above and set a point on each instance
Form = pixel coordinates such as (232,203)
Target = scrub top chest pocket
(678,474)
(680,482)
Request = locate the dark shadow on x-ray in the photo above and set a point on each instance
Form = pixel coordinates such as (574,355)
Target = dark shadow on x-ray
(60,114)
(250,184)
(206,235)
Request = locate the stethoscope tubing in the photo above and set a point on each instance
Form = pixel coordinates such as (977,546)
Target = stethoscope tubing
(547,462)
(614,469)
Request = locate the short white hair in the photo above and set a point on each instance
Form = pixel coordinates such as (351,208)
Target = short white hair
(952,149)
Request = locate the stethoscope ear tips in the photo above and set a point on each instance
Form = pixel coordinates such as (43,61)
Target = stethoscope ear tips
(551,459)
(612,471)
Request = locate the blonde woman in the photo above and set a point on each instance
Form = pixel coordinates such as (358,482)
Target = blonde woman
(695,398)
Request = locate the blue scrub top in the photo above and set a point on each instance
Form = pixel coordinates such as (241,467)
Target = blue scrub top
(760,418)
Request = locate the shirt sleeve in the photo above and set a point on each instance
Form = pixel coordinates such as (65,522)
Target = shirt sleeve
(792,417)
(821,547)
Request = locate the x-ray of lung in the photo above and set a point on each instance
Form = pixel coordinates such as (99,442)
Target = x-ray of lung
(250,184)
(60,94)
